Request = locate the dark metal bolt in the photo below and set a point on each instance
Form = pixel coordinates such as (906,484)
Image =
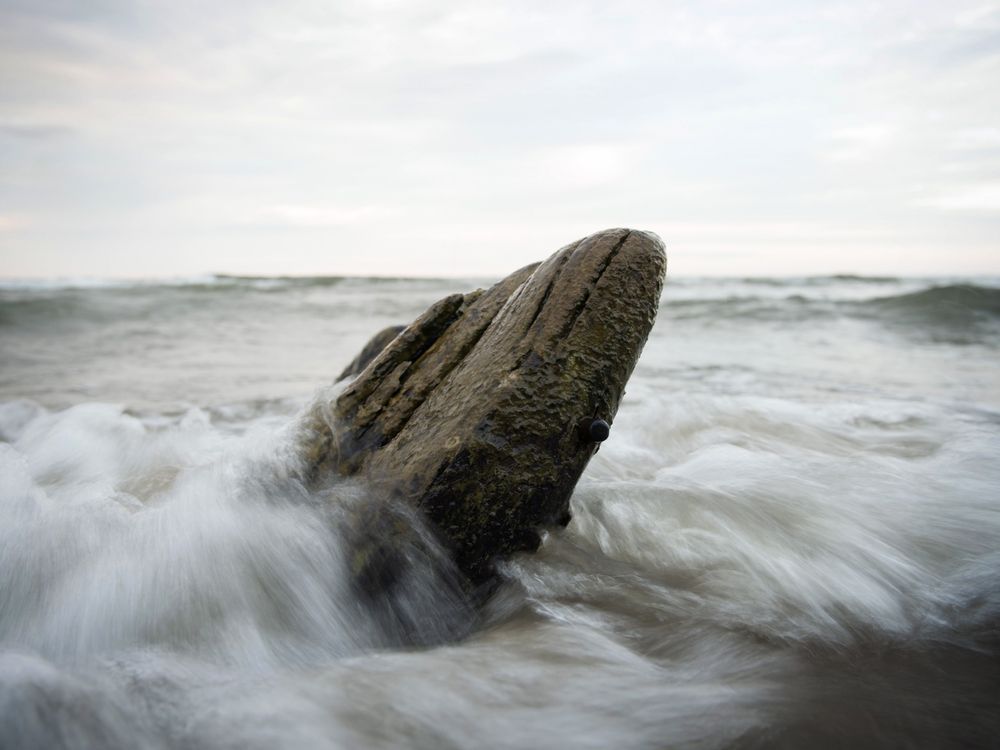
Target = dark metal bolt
(599,430)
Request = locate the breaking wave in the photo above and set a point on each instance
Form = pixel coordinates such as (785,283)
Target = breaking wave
(739,572)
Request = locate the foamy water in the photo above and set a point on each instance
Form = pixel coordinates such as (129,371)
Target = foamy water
(792,538)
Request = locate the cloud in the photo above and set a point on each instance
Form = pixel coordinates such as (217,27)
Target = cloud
(225,125)
(975,139)
(10,223)
(859,142)
(983,198)
(312,216)
(583,166)
(35,131)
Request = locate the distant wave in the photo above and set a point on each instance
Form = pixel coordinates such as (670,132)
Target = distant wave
(321,281)
(746,307)
(84,283)
(947,310)
(842,278)
(222,280)
(215,281)
(854,279)
(953,301)
(948,313)
(960,314)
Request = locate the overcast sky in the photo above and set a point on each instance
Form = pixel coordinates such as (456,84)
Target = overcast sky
(375,137)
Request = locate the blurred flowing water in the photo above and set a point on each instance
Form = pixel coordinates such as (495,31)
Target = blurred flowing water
(791,539)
